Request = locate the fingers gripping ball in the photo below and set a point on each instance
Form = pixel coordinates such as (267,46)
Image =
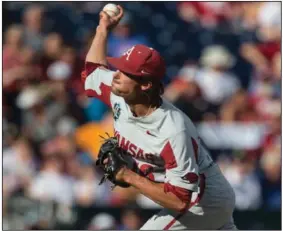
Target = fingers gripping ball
(111,159)
(111,9)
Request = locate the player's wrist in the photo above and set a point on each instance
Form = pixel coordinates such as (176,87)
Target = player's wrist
(129,176)
(102,30)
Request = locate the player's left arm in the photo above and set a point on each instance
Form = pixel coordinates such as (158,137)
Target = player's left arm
(179,154)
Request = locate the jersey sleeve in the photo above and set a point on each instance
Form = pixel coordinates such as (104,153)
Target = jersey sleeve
(97,81)
(182,172)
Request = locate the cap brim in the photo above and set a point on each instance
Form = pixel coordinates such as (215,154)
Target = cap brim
(119,64)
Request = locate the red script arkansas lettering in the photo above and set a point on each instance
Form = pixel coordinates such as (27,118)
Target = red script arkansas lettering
(132,148)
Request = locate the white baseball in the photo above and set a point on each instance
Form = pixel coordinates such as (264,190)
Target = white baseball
(111,9)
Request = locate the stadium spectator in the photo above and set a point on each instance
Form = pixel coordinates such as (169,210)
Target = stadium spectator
(19,166)
(52,49)
(130,220)
(241,175)
(239,108)
(33,26)
(86,189)
(102,221)
(260,48)
(50,184)
(271,177)
(37,112)
(214,80)
(19,62)
(208,86)
(208,14)
(13,42)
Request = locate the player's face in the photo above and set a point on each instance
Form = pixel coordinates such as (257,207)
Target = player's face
(126,87)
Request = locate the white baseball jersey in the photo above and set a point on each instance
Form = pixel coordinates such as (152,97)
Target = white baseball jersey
(164,139)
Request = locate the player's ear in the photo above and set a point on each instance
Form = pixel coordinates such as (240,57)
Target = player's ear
(146,86)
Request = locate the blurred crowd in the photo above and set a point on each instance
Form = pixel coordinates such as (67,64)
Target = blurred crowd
(223,71)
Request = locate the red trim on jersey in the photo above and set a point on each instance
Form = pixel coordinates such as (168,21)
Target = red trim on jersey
(191,177)
(173,221)
(179,215)
(89,68)
(168,156)
(202,187)
(195,146)
(183,194)
(106,90)
(144,168)
(104,97)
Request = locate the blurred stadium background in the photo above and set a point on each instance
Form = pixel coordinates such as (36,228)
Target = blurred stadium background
(223,70)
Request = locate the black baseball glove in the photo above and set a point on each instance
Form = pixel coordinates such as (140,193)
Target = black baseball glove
(117,158)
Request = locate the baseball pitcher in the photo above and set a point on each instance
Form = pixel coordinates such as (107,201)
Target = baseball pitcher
(156,148)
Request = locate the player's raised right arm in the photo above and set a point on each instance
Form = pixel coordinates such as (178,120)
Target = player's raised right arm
(97,51)
(95,76)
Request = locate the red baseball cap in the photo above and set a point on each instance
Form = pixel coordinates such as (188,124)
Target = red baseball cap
(140,61)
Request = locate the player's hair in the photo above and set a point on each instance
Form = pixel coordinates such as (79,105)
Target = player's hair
(153,94)
(157,89)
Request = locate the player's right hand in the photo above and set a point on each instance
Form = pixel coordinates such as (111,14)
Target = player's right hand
(107,22)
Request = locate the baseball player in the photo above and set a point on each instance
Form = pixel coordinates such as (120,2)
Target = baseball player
(182,178)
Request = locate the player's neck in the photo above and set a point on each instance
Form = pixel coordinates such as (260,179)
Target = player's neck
(144,109)
(139,110)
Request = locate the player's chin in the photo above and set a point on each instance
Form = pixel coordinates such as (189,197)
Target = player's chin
(121,93)
(116,91)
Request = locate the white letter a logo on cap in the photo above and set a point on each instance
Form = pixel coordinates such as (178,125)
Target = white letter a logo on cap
(129,52)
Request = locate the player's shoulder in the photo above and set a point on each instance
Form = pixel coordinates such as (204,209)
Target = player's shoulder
(175,121)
